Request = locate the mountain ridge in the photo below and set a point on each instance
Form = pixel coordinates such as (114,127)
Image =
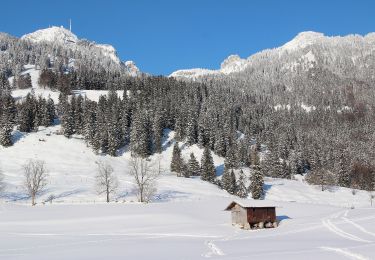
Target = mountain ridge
(303,40)
(67,39)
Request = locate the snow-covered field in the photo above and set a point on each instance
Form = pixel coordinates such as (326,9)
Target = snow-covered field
(196,229)
(185,221)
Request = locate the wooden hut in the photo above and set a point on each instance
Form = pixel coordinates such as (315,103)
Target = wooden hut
(252,214)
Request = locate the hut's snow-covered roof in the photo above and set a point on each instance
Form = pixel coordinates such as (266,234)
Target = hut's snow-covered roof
(250,204)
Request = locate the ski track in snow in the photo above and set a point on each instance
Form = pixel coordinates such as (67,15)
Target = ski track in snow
(333,228)
(214,250)
(346,253)
(359,227)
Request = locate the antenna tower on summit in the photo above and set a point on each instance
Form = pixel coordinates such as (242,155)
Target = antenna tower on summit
(70,24)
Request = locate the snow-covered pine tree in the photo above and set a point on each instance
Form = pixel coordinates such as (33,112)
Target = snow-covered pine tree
(254,157)
(185,170)
(231,157)
(39,109)
(24,119)
(114,133)
(157,130)
(26,114)
(177,161)
(78,115)
(219,143)
(6,122)
(343,175)
(208,171)
(285,171)
(202,140)
(103,141)
(233,186)
(63,100)
(6,134)
(140,137)
(51,113)
(179,129)
(4,83)
(191,128)
(112,141)
(225,178)
(8,107)
(315,158)
(125,120)
(228,180)
(242,155)
(45,116)
(96,141)
(102,124)
(193,166)
(241,191)
(256,183)
(67,121)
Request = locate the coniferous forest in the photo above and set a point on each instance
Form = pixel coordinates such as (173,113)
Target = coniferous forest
(304,121)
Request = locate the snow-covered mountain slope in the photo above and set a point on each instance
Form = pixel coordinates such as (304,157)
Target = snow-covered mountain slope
(299,52)
(53,34)
(72,170)
(66,39)
(302,40)
(109,51)
(231,64)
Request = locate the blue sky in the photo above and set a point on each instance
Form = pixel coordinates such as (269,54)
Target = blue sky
(166,35)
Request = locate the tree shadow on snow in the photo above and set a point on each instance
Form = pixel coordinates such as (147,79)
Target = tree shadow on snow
(127,193)
(68,193)
(267,187)
(18,136)
(220,170)
(15,196)
(169,195)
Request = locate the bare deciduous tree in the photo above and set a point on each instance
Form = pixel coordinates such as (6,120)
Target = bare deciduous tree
(145,177)
(106,180)
(321,177)
(35,178)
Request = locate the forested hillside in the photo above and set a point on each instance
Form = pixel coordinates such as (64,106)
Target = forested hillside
(299,115)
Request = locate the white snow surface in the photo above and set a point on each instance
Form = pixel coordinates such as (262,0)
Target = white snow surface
(302,40)
(52,34)
(186,219)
